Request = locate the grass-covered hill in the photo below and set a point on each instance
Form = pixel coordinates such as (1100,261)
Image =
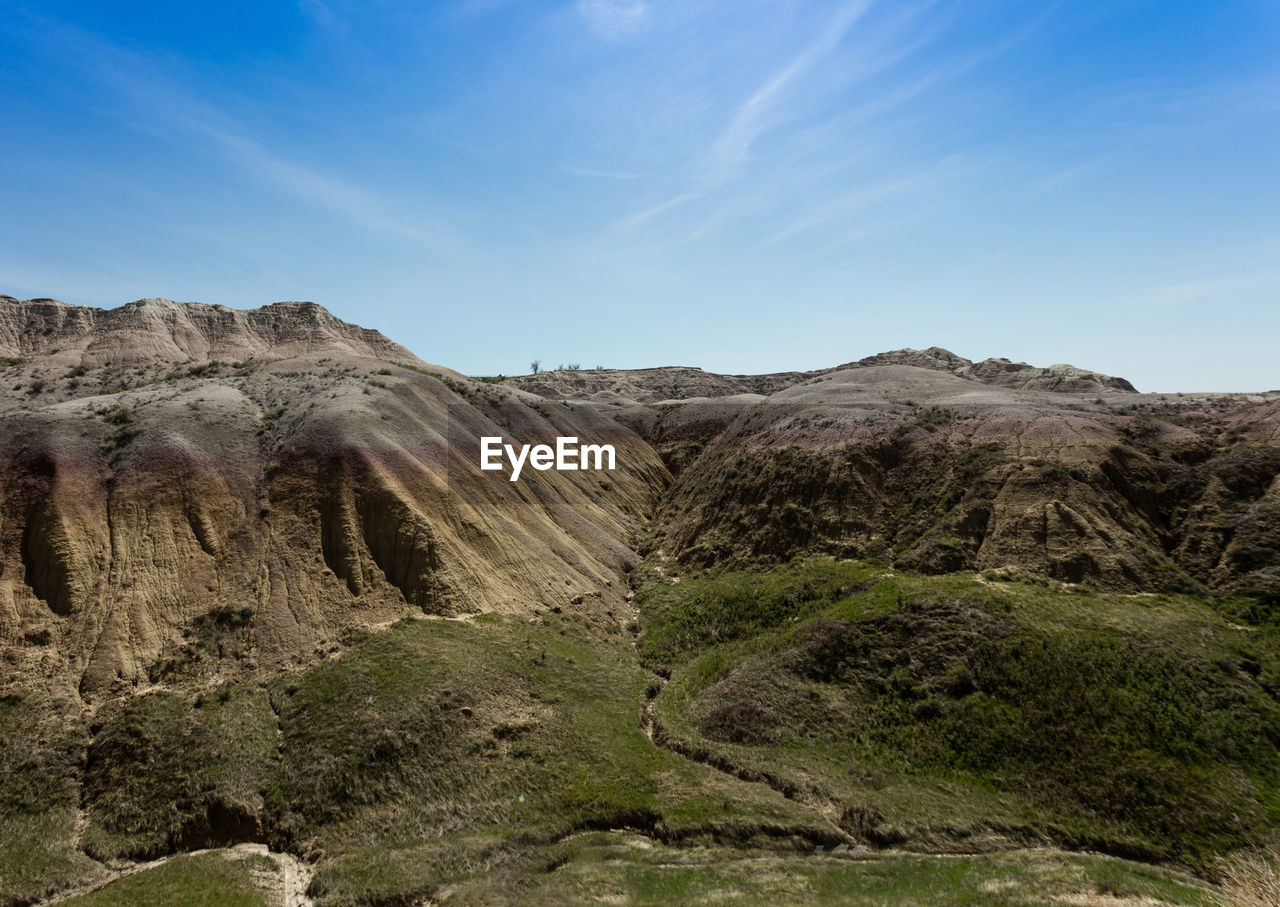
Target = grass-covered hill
(834,730)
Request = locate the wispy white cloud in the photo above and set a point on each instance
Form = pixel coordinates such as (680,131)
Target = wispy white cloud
(593,173)
(615,20)
(756,115)
(154,103)
(837,114)
(868,197)
(760,112)
(356,204)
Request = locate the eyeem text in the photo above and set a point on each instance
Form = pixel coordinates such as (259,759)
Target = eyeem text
(566,456)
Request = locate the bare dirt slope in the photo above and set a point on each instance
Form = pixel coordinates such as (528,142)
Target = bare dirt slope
(257,483)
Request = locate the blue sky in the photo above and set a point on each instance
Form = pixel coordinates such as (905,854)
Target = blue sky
(744,186)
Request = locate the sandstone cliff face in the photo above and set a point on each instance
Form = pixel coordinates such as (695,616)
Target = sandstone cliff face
(311,487)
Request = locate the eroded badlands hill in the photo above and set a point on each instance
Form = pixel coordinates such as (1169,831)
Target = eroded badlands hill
(275,478)
(932,462)
(654,385)
(291,475)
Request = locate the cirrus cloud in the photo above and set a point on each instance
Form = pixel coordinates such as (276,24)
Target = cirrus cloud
(615,20)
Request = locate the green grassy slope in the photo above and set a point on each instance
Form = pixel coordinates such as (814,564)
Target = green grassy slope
(207,879)
(41,755)
(935,711)
(814,706)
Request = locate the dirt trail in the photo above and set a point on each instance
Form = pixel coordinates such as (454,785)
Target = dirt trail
(286,887)
(655,735)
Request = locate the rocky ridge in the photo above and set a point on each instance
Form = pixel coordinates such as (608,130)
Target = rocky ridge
(655,385)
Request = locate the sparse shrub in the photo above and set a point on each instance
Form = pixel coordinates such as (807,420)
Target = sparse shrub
(227,617)
(740,721)
(860,818)
(933,417)
(959,680)
(270,418)
(120,439)
(822,647)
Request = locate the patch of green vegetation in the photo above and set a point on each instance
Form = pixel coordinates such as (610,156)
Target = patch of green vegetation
(1248,470)
(172,772)
(10,361)
(418,369)
(118,415)
(226,632)
(620,868)
(719,608)
(270,418)
(213,879)
(933,417)
(436,749)
(930,709)
(426,752)
(41,756)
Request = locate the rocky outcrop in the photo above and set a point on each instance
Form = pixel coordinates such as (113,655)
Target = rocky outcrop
(152,331)
(1057,378)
